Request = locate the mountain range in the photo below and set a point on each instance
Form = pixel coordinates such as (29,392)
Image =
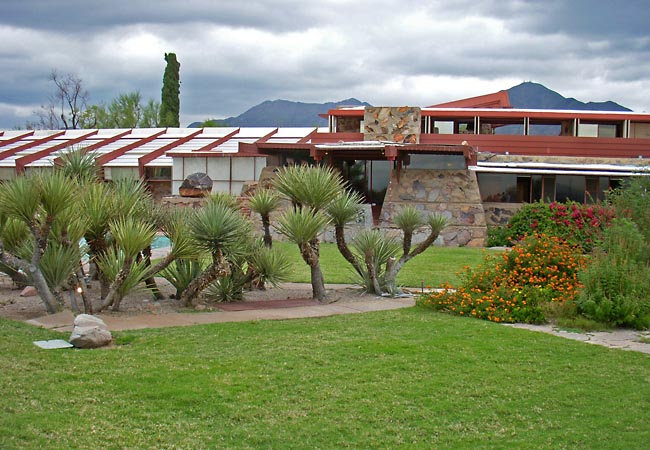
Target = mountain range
(285,113)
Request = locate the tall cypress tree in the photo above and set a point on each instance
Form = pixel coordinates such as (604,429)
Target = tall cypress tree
(170,105)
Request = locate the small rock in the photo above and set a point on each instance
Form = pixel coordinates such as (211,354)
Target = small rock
(200,307)
(90,332)
(29,291)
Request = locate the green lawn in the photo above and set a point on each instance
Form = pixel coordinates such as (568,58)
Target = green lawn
(396,379)
(435,266)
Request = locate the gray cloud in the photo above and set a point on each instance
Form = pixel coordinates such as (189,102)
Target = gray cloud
(235,55)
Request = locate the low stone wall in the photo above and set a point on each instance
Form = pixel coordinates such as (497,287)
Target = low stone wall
(452,193)
(497,214)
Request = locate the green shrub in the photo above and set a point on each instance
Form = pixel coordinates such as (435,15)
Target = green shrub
(617,280)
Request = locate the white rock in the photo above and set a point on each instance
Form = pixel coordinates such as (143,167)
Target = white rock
(90,332)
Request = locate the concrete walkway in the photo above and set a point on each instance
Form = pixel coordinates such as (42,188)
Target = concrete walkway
(638,341)
(63,321)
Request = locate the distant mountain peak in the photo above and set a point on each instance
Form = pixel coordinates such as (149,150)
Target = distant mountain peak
(287,113)
(531,95)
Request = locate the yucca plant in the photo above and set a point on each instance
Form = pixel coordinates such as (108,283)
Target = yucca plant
(79,165)
(15,236)
(375,249)
(59,264)
(409,220)
(112,263)
(38,200)
(131,236)
(342,210)
(264,202)
(310,189)
(221,232)
(302,226)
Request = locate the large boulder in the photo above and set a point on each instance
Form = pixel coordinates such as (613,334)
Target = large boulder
(90,332)
(196,185)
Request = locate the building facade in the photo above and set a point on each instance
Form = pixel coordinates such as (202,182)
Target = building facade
(475,161)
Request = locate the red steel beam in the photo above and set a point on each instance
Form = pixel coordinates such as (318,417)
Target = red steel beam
(122,150)
(266,137)
(308,137)
(146,159)
(218,142)
(22,162)
(15,138)
(28,145)
(99,144)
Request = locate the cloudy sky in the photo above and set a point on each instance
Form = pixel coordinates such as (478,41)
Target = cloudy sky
(236,54)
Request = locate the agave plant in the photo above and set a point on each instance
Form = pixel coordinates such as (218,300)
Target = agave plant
(181,273)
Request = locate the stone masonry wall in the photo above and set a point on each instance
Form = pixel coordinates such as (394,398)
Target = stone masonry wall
(392,124)
(453,193)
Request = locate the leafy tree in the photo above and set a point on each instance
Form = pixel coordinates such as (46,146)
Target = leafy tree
(124,111)
(170,101)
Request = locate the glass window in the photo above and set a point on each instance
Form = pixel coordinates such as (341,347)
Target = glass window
(429,161)
(570,187)
(497,187)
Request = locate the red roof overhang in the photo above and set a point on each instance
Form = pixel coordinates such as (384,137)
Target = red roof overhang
(495,100)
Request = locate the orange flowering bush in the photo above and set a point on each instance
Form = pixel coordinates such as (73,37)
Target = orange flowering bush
(513,286)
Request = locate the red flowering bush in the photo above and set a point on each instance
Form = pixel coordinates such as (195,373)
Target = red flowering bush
(578,223)
(513,286)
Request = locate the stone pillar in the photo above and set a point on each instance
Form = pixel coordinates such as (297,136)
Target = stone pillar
(453,193)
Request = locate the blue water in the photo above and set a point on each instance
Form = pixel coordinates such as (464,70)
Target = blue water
(160,242)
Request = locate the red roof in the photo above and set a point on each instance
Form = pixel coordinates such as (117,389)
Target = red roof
(495,100)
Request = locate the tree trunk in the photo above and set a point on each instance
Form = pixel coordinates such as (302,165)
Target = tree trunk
(372,273)
(310,253)
(266,224)
(113,298)
(199,283)
(151,281)
(40,284)
(317,283)
(345,250)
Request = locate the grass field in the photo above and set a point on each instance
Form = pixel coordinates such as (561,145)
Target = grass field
(397,379)
(435,266)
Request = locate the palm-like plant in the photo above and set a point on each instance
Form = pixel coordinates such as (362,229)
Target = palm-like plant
(375,249)
(221,232)
(311,190)
(410,220)
(79,165)
(131,236)
(302,226)
(264,202)
(37,200)
(343,210)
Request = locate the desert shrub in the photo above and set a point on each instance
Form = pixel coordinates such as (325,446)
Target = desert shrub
(577,223)
(617,280)
(514,285)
